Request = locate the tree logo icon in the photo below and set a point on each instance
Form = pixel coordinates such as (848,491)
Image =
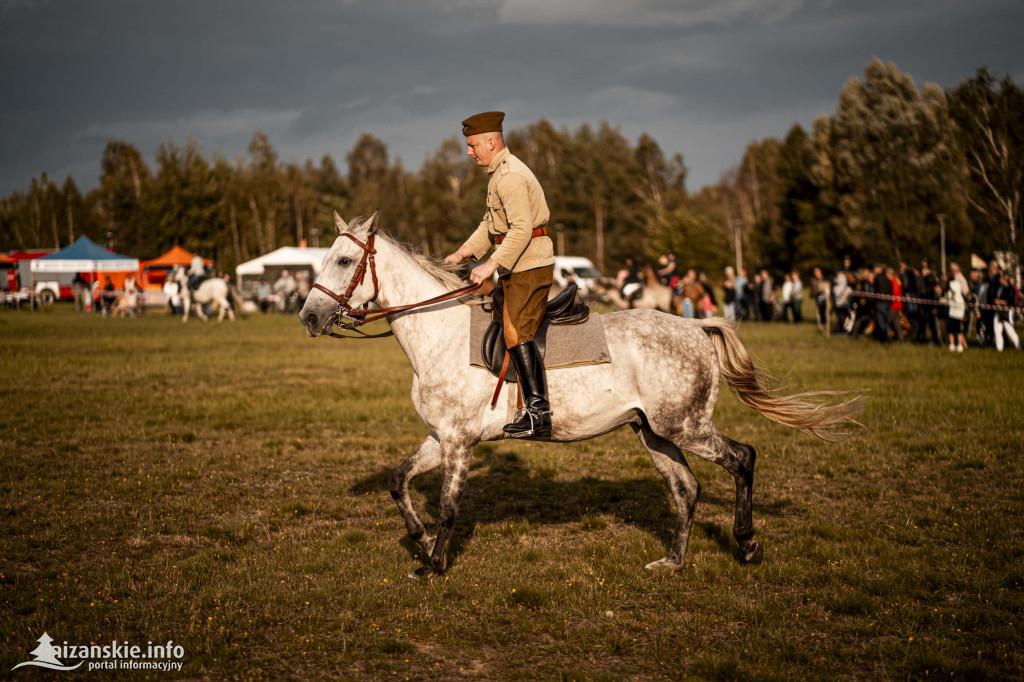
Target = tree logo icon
(46,656)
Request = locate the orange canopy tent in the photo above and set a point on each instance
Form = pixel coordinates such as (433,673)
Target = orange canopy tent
(154,272)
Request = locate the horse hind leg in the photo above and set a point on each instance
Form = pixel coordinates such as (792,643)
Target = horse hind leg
(738,459)
(669,461)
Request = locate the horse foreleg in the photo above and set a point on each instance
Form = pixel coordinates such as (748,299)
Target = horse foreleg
(685,489)
(426,457)
(455,457)
(738,459)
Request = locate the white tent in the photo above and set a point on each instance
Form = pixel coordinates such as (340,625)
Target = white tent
(287,258)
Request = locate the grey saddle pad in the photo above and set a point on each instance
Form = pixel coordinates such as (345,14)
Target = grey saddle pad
(571,345)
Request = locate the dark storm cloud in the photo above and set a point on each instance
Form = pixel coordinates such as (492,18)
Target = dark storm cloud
(703,76)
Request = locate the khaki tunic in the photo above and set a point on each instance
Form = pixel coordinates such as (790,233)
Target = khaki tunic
(515,206)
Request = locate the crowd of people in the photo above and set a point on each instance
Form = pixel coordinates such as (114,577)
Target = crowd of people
(286,295)
(888,304)
(105,297)
(929,306)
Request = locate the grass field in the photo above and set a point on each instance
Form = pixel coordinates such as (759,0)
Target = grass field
(224,486)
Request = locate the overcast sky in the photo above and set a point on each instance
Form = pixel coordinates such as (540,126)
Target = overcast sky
(704,77)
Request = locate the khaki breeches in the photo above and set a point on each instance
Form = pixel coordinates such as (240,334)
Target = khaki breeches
(526,297)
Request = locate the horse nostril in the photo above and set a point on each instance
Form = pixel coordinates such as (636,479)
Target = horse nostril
(311,320)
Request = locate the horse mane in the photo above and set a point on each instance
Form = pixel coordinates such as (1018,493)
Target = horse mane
(445,273)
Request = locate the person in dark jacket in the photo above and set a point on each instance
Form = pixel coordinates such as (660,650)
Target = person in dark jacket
(988,315)
(883,306)
(1006,296)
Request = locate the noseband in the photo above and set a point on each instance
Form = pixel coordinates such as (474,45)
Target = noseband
(360,317)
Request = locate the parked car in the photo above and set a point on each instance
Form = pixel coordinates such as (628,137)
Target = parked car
(575,268)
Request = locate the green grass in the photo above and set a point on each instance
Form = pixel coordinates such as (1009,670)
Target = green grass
(224,486)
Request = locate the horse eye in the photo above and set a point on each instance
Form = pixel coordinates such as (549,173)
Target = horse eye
(344,260)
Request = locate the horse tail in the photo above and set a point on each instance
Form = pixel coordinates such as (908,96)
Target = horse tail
(753,387)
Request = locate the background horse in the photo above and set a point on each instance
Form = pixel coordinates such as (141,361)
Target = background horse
(694,293)
(213,290)
(654,295)
(663,382)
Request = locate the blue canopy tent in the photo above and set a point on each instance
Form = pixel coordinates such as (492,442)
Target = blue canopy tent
(84,256)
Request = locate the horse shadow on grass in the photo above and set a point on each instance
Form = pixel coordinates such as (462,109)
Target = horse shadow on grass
(501,487)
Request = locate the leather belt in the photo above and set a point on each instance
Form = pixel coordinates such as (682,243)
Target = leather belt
(541,231)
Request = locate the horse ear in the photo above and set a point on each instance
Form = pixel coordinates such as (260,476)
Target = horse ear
(339,224)
(372,224)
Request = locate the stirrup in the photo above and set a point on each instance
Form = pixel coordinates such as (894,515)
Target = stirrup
(522,415)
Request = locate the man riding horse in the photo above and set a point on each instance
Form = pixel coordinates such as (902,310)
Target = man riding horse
(196,272)
(516,224)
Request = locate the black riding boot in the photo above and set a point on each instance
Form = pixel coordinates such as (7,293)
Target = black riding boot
(534,420)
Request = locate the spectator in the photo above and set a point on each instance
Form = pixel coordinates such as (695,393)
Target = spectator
(883,306)
(302,287)
(988,297)
(743,295)
(285,287)
(109,296)
(842,294)
(669,272)
(896,310)
(820,288)
(787,297)
(767,296)
(729,294)
(172,292)
(80,290)
(930,292)
(957,308)
(954,273)
(263,294)
(708,301)
(909,282)
(797,297)
(862,307)
(972,320)
(131,295)
(1003,319)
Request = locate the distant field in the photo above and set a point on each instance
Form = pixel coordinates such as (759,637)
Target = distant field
(224,486)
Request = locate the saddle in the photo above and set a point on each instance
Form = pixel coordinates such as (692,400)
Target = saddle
(564,309)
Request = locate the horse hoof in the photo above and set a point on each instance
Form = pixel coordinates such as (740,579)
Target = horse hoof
(663,564)
(754,555)
(423,573)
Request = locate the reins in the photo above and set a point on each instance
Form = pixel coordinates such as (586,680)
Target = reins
(365,316)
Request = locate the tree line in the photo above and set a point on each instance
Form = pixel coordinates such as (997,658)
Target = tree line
(876,180)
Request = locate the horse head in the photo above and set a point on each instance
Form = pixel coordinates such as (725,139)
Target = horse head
(347,274)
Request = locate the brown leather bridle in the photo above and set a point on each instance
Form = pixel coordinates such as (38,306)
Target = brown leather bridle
(365,316)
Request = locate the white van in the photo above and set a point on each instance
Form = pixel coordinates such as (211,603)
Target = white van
(577,268)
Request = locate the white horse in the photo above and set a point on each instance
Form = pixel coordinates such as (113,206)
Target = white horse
(213,290)
(663,381)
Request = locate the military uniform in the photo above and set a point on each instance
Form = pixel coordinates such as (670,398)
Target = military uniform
(516,223)
(515,208)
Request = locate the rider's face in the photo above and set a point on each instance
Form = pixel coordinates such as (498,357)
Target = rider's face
(481,148)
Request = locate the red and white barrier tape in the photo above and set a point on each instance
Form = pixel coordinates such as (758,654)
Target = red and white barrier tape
(933,302)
